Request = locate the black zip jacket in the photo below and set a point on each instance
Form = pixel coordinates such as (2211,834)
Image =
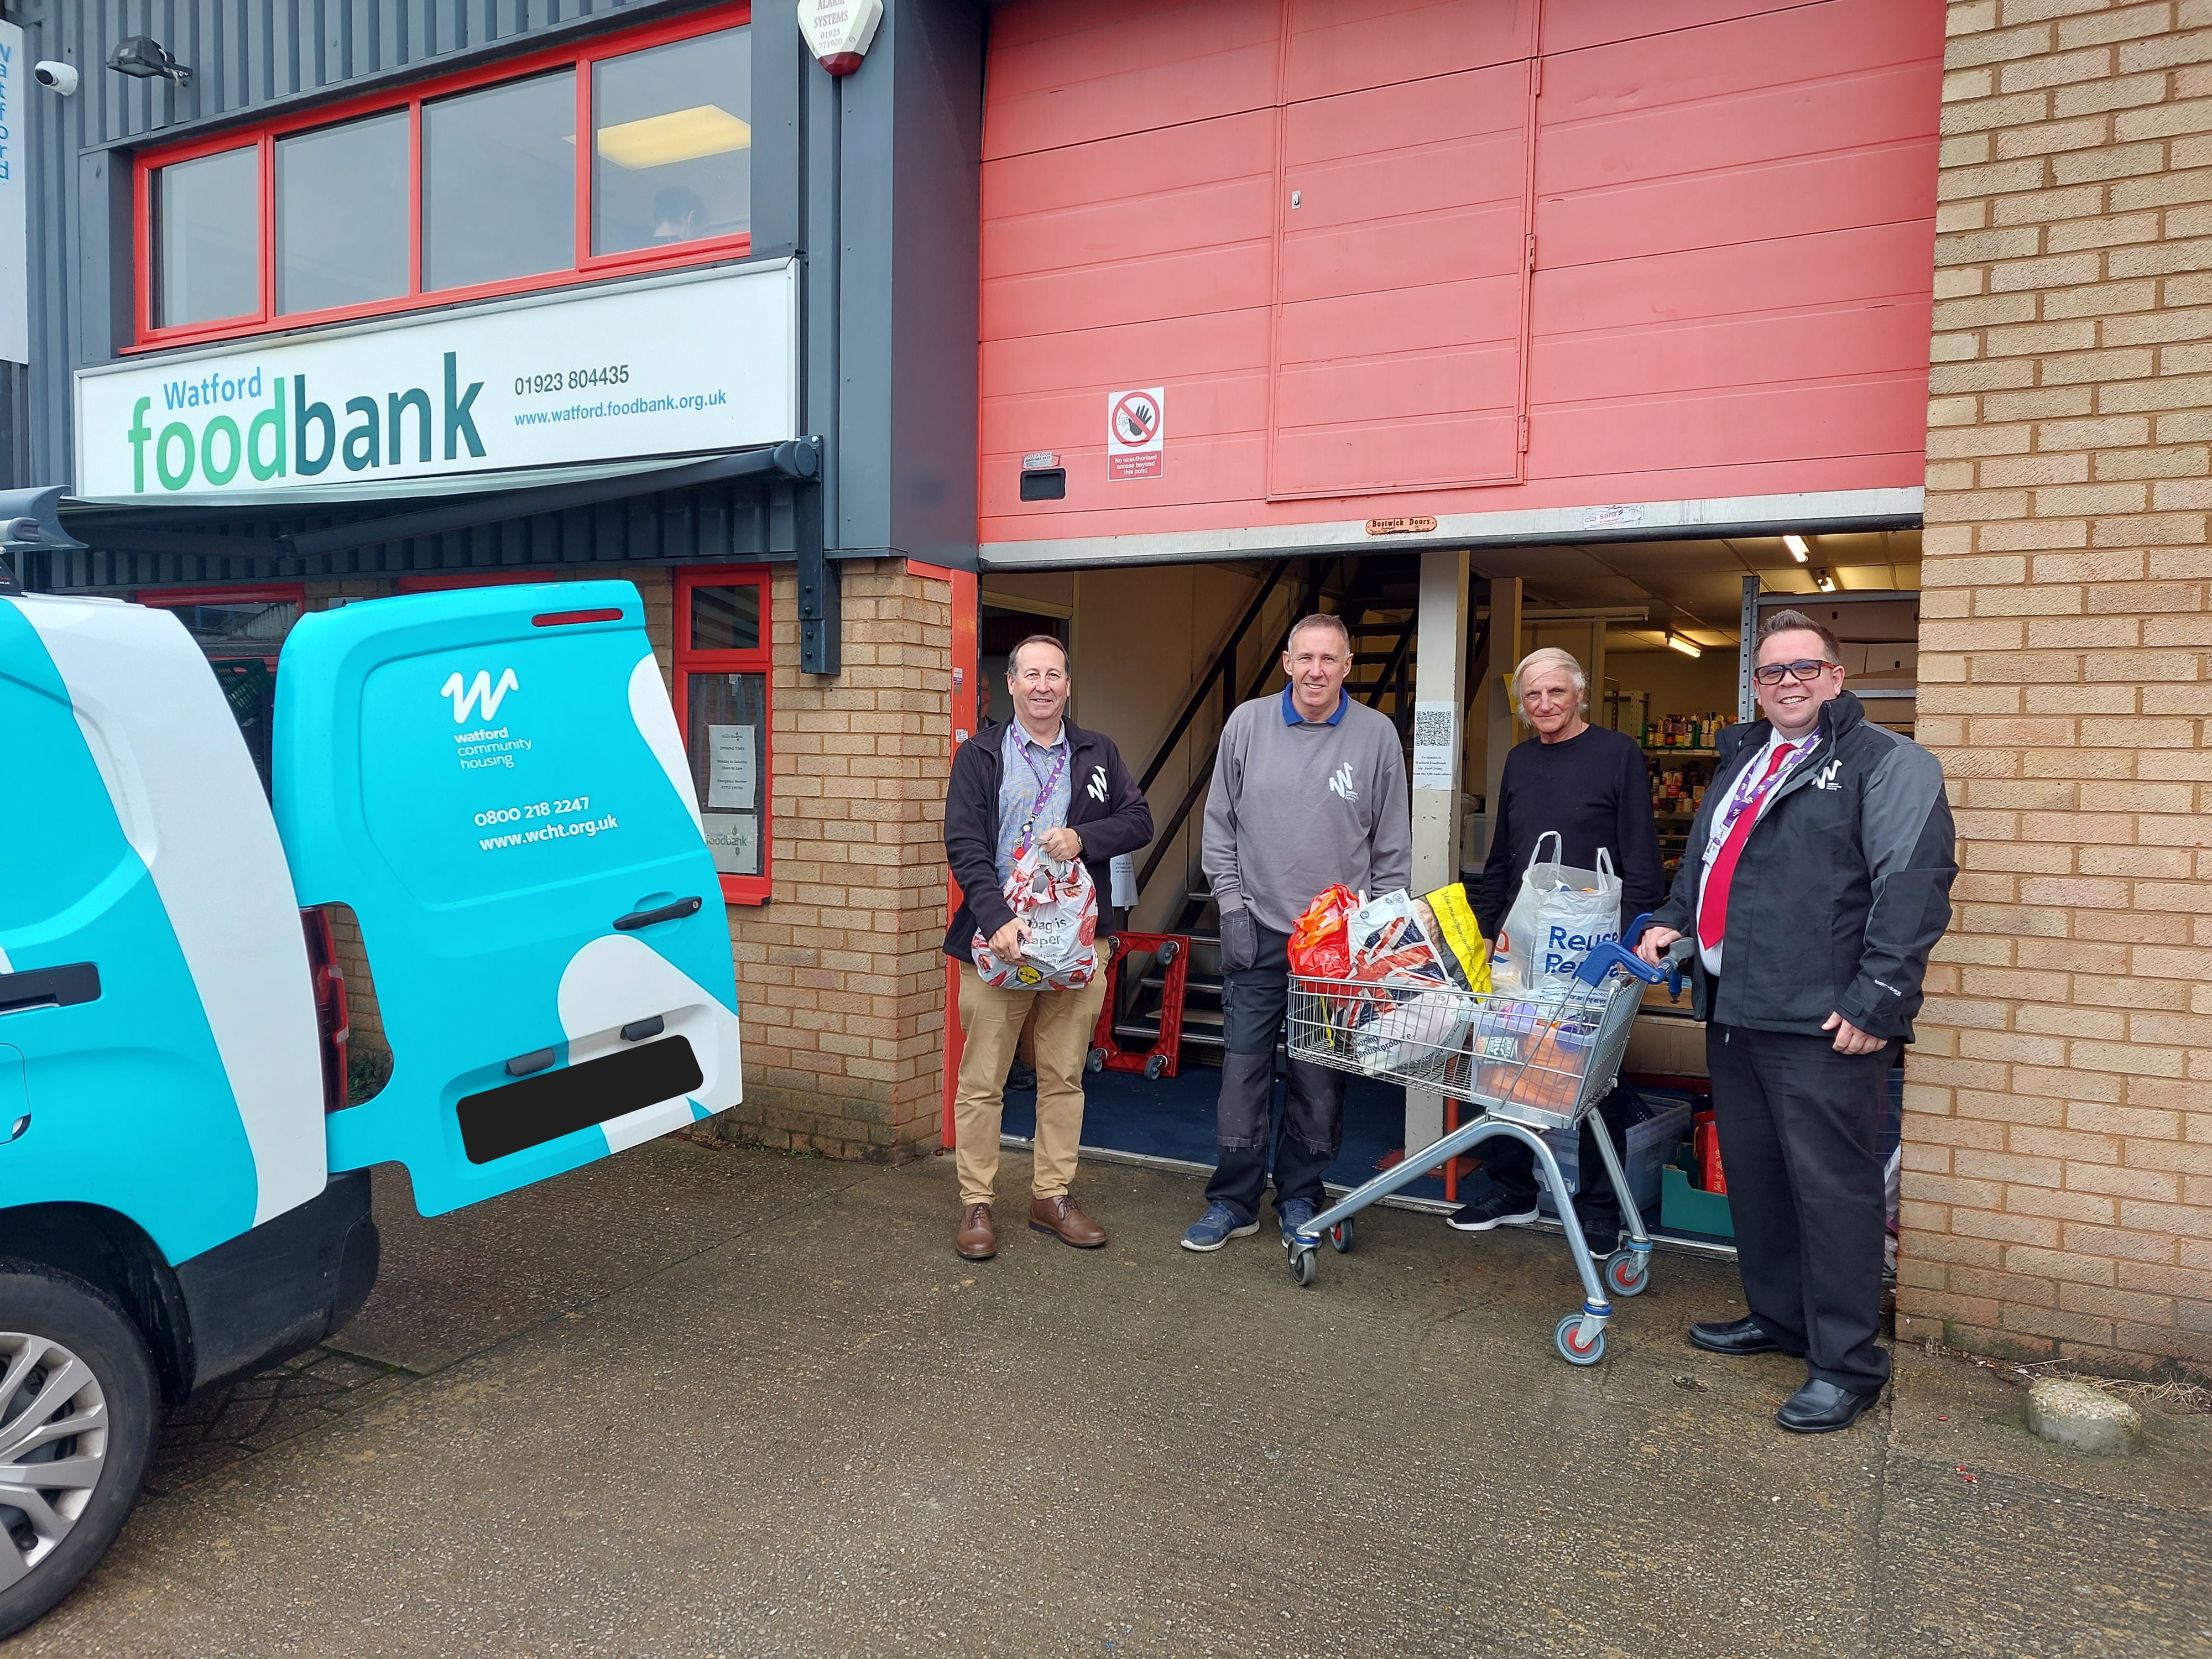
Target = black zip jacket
(1842,888)
(1104,806)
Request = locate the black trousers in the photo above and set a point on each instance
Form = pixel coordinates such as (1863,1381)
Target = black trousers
(1798,1123)
(1511,1166)
(1310,1133)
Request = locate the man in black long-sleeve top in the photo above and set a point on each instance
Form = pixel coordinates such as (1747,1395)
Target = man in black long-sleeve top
(1594,788)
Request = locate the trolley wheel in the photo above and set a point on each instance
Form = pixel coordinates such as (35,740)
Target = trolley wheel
(1169,950)
(1567,1338)
(1627,1273)
(1303,1267)
(1096,1061)
(1340,1235)
(1154,1065)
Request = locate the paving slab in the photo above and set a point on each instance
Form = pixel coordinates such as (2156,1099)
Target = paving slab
(696,1401)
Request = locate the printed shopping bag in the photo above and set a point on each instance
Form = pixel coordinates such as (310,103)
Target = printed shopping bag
(1060,902)
(1560,915)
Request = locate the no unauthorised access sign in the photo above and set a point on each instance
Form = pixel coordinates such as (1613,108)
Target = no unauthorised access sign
(1136,433)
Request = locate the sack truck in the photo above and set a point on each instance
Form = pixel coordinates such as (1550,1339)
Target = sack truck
(492,779)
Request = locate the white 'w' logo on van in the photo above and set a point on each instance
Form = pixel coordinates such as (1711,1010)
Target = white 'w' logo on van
(480,693)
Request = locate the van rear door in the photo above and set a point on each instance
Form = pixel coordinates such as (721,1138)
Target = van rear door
(492,779)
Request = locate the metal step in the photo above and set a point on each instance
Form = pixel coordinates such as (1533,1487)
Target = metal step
(1193,983)
(1150,1033)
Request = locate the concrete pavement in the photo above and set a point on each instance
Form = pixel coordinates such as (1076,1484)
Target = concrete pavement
(694,1401)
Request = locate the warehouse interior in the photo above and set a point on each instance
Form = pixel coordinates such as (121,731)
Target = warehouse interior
(1162,650)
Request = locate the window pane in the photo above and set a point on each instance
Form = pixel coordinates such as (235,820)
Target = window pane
(725,718)
(499,182)
(207,239)
(672,143)
(342,215)
(726,618)
(248,627)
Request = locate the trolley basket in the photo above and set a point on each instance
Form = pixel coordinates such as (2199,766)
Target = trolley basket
(1525,1063)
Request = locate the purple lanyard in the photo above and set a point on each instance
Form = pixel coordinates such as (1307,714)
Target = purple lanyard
(1045,784)
(1753,788)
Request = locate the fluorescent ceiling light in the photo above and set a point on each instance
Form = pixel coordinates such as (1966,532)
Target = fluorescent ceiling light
(682,135)
(1687,648)
(1823,581)
(1796,546)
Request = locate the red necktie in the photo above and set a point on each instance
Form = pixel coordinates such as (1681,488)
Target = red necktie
(1712,908)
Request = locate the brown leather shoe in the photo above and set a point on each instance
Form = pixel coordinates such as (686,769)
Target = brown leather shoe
(1058,1216)
(976,1238)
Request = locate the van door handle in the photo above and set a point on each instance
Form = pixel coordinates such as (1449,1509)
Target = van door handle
(54,987)
(676,912)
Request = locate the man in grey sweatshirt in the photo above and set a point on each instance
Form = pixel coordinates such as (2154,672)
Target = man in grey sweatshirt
(1309,791)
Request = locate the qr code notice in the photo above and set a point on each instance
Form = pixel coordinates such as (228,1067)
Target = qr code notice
(1432,728)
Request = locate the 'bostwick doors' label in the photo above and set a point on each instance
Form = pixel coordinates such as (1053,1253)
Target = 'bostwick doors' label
(677,367)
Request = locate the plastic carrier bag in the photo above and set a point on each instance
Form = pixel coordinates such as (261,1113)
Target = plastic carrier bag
(1560,915)
(1321,947)
(1407,1012)
(1060,904)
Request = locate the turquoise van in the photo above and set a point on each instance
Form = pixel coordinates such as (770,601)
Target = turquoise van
(492,781)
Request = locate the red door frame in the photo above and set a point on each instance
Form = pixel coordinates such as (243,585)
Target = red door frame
(683,660)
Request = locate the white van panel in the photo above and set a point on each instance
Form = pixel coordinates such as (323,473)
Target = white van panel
(190,803)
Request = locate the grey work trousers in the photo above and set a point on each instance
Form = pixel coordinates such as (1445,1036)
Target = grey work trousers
(1311,1130)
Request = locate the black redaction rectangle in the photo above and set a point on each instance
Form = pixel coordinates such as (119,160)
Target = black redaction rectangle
(517,1117)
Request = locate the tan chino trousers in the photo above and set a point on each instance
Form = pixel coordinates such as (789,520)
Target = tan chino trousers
(991,1026)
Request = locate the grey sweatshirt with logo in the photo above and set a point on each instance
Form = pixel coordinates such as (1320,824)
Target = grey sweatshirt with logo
(1296,808)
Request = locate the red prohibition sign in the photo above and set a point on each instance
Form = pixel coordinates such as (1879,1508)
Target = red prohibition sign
(1135,414)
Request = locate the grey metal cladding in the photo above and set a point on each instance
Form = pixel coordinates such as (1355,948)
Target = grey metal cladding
(888,373)
(245,55)
(709,524)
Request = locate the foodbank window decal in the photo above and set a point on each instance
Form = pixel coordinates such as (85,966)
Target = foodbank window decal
(670,367)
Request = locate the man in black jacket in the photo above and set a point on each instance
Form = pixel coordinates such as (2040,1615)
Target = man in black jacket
(1038,778)
(1816,881)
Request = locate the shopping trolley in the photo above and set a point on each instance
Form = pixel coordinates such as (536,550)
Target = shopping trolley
(1526,1062)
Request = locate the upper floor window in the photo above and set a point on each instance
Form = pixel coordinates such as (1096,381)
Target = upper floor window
(464,188)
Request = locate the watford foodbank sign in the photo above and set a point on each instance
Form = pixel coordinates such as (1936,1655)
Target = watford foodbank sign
(670,367)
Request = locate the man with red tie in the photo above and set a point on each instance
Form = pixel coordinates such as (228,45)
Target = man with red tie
(1818,879)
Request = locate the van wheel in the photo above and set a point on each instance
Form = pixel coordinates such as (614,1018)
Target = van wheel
(79,1410)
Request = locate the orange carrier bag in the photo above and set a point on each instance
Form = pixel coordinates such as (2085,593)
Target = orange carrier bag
(1320,943)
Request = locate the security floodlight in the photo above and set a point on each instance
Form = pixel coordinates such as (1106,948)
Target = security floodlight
(145,59)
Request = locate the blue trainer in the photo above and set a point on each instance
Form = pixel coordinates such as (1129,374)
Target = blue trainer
(1217,1227)
(1295,1213)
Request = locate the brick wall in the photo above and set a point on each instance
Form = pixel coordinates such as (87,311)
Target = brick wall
(840,983)
(2057,1187)
(840,980)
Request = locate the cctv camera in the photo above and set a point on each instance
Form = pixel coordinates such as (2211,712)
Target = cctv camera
(61,77)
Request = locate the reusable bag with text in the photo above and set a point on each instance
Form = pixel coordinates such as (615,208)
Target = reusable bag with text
(1560,915)
(1060,905)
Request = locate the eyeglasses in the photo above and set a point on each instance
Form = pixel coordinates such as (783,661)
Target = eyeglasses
(1805,668)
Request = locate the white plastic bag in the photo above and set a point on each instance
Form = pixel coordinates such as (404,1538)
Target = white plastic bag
(1060,905)
(1559,917)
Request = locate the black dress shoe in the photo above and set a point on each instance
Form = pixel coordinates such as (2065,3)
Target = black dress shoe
(1822,1408)
(1738,1336)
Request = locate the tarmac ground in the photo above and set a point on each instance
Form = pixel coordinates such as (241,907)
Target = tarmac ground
(699,1401)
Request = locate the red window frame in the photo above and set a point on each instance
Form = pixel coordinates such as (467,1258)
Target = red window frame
(587,267)
(686,661)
